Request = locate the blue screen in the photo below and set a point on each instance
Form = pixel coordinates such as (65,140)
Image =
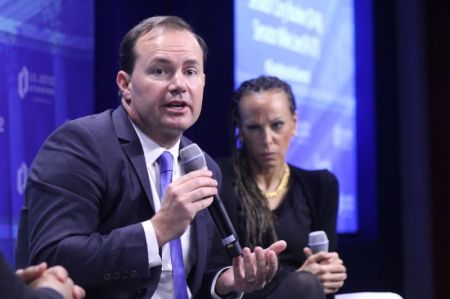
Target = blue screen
(309,44)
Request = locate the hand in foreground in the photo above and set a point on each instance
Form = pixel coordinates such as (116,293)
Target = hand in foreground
(31,273)
(328,268)
(56,278)
(251,271)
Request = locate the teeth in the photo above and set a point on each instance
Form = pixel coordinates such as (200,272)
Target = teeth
(176,106)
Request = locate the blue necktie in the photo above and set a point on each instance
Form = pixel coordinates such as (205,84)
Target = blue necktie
(176,254)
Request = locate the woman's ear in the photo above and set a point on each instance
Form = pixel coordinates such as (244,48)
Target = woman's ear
(241,139)
(295,121)
(238,136)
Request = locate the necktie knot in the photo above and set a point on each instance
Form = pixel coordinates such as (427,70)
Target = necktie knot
(165,162)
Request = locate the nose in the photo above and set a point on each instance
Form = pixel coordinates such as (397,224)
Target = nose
(178,84)
(267,136)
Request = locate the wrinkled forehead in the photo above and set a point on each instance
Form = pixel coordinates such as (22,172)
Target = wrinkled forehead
(276,95)
(166,39)
(271,101)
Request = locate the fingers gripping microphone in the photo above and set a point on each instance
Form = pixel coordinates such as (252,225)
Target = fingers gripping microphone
(318,241)
(192,158)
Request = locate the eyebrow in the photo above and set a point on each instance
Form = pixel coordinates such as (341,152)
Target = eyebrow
(168,61)
(160,60)
(192,61)
(253,122)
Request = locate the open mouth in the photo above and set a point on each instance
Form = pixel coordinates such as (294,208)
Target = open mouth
(176,106)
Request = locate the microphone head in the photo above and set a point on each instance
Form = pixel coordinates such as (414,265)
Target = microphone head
(318,241)
(192,158)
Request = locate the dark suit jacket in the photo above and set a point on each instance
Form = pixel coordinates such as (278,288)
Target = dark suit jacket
(12,287)
(87,192)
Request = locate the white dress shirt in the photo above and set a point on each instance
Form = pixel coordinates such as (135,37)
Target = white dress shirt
(164,290)
(152,151)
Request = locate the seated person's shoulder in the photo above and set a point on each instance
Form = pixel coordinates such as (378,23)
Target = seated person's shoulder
(316,176)
(225,163)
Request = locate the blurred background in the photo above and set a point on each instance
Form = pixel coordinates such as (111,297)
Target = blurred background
(372,84)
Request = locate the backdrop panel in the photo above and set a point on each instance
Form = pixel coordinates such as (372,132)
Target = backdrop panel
(311,45)
(46,53)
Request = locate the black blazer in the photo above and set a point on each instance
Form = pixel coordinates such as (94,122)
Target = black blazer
(320,187)
(12,286)
(87,193)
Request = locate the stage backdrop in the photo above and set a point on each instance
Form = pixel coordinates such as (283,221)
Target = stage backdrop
(311,45)
(46,54)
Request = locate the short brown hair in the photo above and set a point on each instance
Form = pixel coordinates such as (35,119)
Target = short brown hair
(127,56)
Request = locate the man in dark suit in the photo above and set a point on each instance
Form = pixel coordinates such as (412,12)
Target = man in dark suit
(92,199)
(37,282)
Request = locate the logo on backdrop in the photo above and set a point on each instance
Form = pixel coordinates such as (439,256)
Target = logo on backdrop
(23,82)
(22,174)
(41,86)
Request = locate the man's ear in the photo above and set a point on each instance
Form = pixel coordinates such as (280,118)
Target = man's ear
(123,82)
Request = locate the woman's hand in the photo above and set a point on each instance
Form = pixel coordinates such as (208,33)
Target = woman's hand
(328,268)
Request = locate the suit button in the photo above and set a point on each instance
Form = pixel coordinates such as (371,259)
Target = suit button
(107,276)
(125,275)
(141,292)
(116,275)
(133,273)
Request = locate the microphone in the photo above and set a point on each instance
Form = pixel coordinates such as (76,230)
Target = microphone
(192,158)
(318,241)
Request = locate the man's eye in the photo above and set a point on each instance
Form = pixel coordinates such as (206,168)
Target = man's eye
(191,72)
(158,71)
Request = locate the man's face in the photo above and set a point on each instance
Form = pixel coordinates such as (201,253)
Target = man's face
(164,93)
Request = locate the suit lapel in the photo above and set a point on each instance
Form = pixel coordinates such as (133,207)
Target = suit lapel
(133,149)
(202,241)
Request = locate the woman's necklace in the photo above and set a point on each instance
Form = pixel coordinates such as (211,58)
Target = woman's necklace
(281,186)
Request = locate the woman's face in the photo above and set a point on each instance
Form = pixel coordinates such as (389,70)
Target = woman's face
(266,127)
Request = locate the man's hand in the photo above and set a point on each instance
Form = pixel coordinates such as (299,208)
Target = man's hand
(56,278)
(184,197)
(328,268)
(251,271)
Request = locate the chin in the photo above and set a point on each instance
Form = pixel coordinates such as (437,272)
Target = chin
(180,125)
(269,164)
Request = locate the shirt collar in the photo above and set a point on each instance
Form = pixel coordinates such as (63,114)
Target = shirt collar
(152,150)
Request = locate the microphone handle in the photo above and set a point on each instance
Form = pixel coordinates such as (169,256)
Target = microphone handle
(225,228)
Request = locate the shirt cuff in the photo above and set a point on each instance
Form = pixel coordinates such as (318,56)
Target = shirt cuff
(154,259)
(229,296)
